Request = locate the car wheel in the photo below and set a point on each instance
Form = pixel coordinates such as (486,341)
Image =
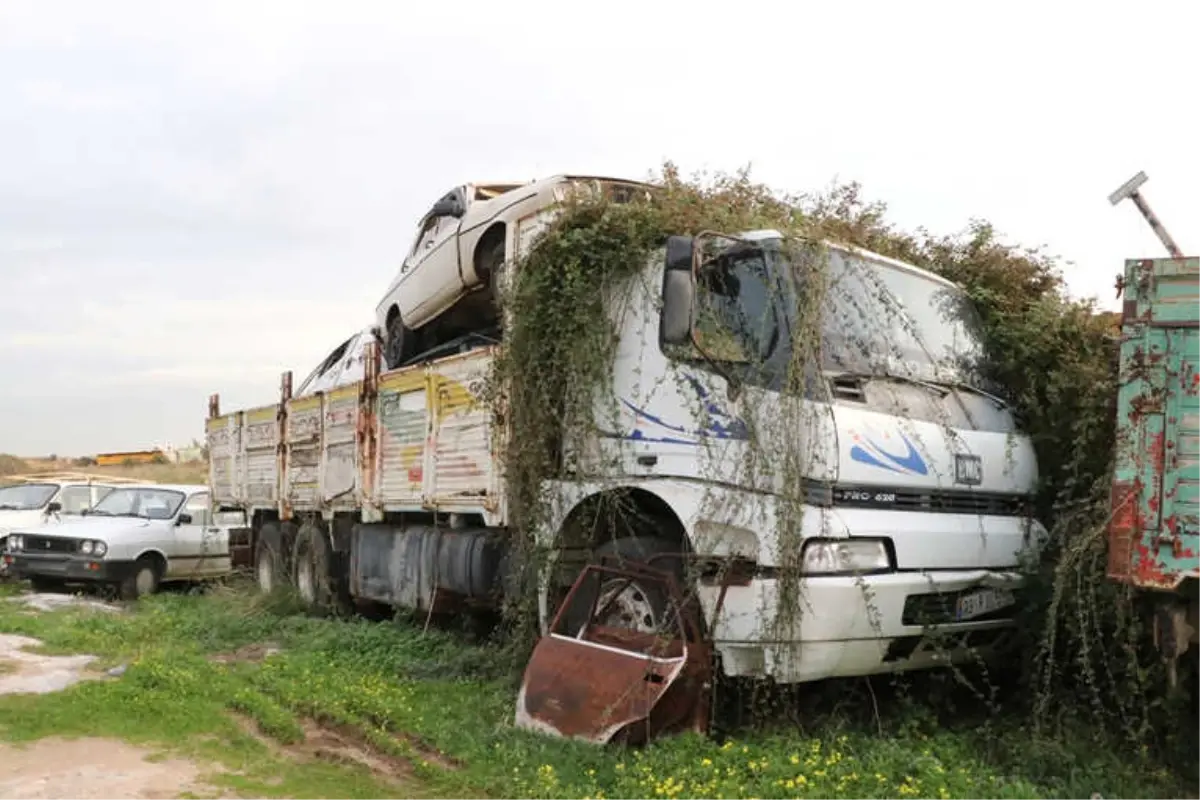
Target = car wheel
(142,581)
(491,264)
(399,343)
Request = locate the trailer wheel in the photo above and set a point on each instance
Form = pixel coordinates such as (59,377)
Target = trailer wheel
(268,564)
(640,606)
(312,558)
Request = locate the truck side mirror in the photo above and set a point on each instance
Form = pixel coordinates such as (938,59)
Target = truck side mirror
(678,292)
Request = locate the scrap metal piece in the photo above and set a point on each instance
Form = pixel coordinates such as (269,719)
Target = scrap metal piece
(604,684)
(1129,190)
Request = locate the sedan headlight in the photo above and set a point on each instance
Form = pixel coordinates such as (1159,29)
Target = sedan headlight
(90,547)
(844,556)
(85,547)
(15,542)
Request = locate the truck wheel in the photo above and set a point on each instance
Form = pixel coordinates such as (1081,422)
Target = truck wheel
(268,564)
(266,567)
(641,606)
(311,558)
(142,581)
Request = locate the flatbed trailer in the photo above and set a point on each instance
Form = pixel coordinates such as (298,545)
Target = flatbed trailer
(387,489)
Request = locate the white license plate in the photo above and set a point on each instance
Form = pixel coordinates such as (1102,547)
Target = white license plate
(983,601)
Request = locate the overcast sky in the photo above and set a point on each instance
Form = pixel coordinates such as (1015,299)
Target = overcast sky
(196,196)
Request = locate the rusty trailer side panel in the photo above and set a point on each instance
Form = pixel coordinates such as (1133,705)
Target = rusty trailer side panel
(414,439)
(1154,534)
(224,437)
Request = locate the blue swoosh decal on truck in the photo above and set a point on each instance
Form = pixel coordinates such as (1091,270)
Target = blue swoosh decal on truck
(872,454)
(720,423)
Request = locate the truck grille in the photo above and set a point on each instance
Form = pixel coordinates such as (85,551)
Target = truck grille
(936,501)
(49,544)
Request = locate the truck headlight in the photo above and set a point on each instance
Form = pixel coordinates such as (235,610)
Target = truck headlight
(844,556)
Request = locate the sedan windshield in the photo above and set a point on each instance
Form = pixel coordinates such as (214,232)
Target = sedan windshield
(142,502)
(26,496)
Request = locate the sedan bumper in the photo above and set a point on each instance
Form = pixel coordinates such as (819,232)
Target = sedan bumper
(75,568)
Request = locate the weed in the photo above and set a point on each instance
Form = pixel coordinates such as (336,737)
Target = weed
(368,686)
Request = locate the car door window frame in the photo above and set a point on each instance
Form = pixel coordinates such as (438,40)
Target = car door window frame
(203,517)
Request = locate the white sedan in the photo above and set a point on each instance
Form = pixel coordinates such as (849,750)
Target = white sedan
(135,538)
(460,247)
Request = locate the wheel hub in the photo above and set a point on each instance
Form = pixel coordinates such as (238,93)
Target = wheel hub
(630,607)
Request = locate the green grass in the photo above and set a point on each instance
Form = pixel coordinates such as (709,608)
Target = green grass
(443,708)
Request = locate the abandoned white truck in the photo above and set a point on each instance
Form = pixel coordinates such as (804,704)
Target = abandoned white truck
(914,490)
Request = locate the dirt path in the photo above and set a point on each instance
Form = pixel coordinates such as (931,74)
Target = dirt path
(76,768)
(91,768)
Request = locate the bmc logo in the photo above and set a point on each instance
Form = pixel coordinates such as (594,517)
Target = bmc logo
(968,470)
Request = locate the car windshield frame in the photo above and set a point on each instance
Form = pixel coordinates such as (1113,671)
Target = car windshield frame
(174,500)
(13,505)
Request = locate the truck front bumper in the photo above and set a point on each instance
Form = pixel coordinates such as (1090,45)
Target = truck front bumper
(864,625)
(71,568)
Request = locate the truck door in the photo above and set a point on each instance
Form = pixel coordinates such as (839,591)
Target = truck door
(1155,529)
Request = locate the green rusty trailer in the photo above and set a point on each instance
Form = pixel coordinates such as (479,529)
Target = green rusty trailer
(1155,489)
(1154,530)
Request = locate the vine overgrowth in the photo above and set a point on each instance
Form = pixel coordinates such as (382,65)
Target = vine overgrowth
(1050,358)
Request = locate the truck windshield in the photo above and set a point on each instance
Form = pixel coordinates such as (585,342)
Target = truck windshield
(881,318)
(876,318)
(26,496)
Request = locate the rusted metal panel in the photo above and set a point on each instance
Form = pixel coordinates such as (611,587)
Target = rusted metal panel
(260,476)
(464,476)
(403,420)
(339,443)
(304,434)
(1155,527)
(607,683)
(223,435)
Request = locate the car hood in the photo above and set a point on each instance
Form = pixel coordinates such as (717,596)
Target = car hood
(97,527)
(11,520)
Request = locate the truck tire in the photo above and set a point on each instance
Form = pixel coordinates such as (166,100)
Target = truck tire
(268,564)
(312,558)
(644,607)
